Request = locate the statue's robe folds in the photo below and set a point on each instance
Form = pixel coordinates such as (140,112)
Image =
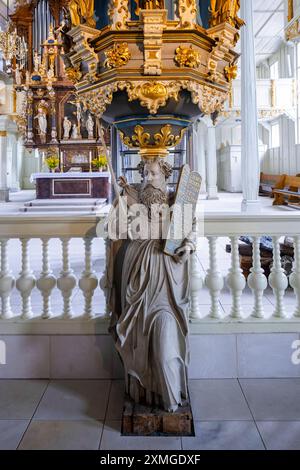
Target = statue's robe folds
(148,294)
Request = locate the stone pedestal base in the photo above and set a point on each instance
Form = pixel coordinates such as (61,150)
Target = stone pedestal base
(143,420)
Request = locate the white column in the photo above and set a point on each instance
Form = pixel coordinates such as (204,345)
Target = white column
(250,152)
(198,153)
(4,193)
(211,160)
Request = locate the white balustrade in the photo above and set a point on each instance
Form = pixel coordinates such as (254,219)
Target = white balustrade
(217,229)
(26,282)
(88,282)
(214,280)
(66,283)
(196,284)
(295,276)
(278,280)
(7,282)
(257,280)
(47,281)
(236,280)
(103,280)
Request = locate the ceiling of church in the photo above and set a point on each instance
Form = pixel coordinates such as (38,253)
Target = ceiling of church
(269,18)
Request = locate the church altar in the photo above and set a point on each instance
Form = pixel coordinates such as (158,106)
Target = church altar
(72,185)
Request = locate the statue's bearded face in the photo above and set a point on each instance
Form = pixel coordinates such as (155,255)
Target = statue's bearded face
(154,189)
(154,176)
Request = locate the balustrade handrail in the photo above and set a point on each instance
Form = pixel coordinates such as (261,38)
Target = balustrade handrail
(215,224)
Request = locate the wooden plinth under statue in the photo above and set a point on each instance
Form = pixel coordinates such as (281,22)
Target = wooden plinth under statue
(147,287)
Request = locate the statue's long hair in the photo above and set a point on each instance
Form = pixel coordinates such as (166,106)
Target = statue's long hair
(164,165)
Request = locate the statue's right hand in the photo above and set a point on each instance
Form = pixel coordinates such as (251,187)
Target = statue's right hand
(122,181)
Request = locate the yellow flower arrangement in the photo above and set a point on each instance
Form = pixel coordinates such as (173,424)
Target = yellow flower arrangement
(52,162)
(100,162)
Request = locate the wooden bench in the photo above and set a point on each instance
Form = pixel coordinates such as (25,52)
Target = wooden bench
(288,192)
(268,183)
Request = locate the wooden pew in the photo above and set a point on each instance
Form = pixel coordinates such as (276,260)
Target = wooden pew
(288,192)
(269,182)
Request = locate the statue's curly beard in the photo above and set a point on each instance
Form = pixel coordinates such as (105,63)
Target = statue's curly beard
(150,195)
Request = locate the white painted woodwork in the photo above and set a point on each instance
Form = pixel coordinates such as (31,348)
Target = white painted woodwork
(46,281)
(26,282)
(67,281)
(278,280)
(236,280)
(214,280)
(88,281)
(295,276)
(250,153)
(217,225)
(7,281)
(257,281)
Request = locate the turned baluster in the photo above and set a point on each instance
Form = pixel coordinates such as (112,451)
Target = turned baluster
(104,280)
(88,282)
(7,282)
(295,276)
(236,280)
(26,282)
(257,280)
(214,279)
(67,281)
(47,281)
(196,284)
(278,280)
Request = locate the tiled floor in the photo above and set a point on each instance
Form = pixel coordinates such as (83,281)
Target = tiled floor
(85,414)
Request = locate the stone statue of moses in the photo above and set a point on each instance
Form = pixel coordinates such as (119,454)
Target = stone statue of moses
(148,295)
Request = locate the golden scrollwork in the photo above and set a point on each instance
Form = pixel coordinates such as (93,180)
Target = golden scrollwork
(152,146)
(153,95)
(73,74)
(231,72)
(225,11)
(117,56)
(187,57)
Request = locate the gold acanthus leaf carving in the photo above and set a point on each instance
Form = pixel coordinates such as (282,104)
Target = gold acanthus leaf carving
(73,74)
(187,57)
(117,56)
(153,95)
(161,140)
(231,72)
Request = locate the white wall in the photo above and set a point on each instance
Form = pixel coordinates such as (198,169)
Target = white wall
(286,158)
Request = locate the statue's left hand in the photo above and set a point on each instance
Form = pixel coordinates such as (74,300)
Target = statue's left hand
(182,254)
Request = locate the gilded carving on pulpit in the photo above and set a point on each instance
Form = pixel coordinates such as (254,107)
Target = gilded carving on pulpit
(82,12)
(118,13)
(149,5)
(225,11)
(187,13)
